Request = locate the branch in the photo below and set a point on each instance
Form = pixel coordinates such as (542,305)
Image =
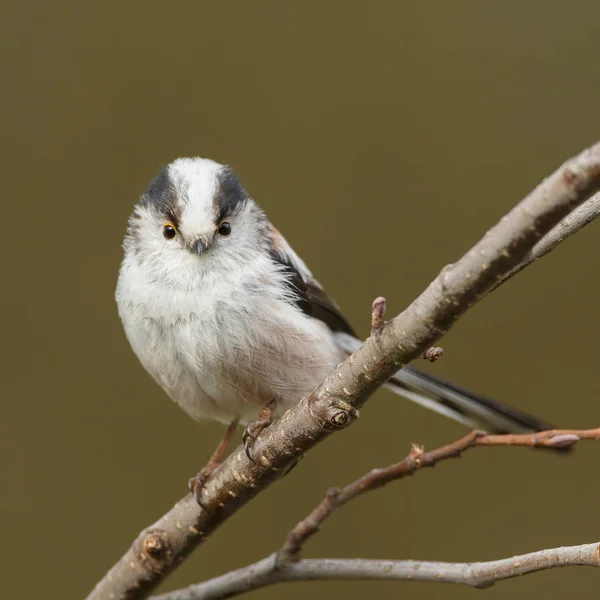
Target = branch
(287,564)
(335,403)
(583,215)
(479,574)
(418,459)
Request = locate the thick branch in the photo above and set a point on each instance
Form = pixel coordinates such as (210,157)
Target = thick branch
(479,574)
(334,404)
(583,215)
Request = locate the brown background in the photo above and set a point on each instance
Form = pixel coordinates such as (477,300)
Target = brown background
(383,139)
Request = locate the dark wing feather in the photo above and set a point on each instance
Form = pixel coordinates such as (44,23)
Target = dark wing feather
(312,300)
(326,310)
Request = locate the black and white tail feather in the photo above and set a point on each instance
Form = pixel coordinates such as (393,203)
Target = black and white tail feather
(453,401)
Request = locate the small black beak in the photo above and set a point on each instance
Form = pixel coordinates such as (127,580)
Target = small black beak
(200,247)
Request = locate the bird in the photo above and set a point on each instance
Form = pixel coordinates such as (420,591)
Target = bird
(231,323)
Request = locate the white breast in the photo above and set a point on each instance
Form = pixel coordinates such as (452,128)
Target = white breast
(226,349)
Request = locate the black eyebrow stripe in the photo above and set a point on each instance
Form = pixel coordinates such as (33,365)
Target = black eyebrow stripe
(162,195)
(230,194)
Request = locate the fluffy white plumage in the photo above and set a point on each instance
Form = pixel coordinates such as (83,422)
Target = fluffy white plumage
(228,319)
(220,332)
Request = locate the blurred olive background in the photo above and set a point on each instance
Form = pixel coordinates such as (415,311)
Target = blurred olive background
(382,138)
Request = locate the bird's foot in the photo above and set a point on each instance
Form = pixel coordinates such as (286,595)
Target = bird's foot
(254,429)
(196,484)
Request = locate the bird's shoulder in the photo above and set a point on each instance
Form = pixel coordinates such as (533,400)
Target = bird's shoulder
(310,296)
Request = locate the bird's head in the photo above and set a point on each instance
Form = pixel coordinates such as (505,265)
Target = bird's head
(194,219)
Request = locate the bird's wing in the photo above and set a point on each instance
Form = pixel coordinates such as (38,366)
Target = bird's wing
(310,296)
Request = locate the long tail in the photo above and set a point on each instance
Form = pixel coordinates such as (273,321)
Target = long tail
(455,402)
(462,405)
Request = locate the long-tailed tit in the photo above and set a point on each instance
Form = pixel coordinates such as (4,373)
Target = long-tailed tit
(227,318)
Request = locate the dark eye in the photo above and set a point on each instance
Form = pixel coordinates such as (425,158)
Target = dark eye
(169,231)
(224,228)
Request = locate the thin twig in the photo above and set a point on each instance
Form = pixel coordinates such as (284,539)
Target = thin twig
(478,574)
(377,314)
(334,404)
(288,564)
(418,459)
(290,551)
